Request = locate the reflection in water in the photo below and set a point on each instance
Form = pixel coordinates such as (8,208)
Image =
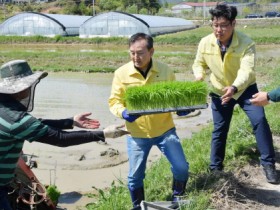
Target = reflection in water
(62,95)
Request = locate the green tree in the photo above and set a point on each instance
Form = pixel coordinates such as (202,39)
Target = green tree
(132,9)
(143,11)
(153,6)
(109,5)
(71,9)
(61,3)
(84,9)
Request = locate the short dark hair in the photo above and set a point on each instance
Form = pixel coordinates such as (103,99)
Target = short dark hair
(139,36)
(224,10)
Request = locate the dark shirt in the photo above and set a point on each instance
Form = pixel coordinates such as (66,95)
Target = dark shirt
(16,126)
(224,48)
(275,95)
(144,74)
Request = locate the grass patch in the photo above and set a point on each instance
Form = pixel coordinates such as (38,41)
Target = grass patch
(260,34)
(107,54)
(201,184)
(89,58)
(241,148)
(117,197)
(178,51)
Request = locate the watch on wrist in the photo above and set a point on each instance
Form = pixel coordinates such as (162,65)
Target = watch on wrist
(235,90)
(268,98)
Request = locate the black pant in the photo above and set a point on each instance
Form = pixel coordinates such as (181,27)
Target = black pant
(222,115)
(4,202)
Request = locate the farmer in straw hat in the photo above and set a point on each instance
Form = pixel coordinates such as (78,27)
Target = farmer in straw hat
(17,87)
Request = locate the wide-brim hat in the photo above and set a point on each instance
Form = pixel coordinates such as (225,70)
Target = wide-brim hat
(16,76)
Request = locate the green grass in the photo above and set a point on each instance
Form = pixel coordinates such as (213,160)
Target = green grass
(269,35)
(178,51)
(241,147)
(107,54)
(88,58)
(172,94)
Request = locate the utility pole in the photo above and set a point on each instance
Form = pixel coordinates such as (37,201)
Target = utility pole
(93,9)
(4,9)
(204,11)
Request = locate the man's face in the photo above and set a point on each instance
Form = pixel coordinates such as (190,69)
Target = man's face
(223,29)
(140,55)
(23,94)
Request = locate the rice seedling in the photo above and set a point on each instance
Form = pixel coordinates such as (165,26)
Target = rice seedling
(53,193)
(162,95)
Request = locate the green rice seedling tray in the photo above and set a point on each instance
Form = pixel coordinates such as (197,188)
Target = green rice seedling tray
(164,110)
(166,96)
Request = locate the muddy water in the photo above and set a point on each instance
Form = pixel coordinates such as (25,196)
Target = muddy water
(61,95)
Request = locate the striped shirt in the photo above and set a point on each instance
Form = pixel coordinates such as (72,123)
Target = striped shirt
(16,126)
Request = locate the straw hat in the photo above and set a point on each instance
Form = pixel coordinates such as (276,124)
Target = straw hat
(16,76)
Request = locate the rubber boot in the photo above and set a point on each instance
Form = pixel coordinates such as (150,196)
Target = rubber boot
(178,188)
(137,196)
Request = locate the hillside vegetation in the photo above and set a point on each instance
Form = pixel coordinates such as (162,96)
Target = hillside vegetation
(85,7)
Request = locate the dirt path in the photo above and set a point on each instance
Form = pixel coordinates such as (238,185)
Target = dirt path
(247,188)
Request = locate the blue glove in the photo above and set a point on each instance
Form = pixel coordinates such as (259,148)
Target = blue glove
(129,118)
(184,113)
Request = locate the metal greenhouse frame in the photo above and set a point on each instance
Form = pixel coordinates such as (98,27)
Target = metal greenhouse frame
(32,23)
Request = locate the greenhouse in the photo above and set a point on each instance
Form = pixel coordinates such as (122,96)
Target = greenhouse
(31,23)
(124,24)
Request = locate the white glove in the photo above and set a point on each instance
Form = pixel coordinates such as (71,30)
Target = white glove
(114,131)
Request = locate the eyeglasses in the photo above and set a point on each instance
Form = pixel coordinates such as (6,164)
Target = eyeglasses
(222,26)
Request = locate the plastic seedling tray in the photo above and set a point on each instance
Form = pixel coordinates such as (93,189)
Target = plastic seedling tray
(164,110)
(158,206)
(163,205)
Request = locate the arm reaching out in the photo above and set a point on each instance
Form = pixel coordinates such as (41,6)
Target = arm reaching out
(82,121)
(114,131)
(260,99)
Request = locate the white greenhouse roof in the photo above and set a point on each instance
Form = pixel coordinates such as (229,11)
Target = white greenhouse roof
(102,25)
(124,24)
(32,23)
(69,20)
(160,21)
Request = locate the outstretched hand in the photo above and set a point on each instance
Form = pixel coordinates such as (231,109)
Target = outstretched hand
(260,99)
(114,131)
(82,121)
